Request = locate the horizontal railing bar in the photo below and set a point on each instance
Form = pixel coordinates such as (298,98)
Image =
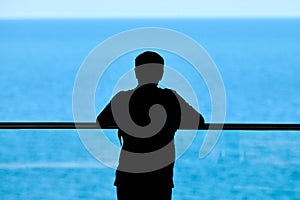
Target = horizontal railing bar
(92,125)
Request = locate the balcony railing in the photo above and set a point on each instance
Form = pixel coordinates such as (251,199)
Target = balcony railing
(92,125)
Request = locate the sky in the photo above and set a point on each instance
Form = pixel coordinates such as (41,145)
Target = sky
(148,9)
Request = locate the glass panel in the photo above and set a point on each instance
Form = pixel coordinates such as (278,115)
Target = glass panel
(259,63)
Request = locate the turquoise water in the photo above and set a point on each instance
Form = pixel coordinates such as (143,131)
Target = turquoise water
(259,63)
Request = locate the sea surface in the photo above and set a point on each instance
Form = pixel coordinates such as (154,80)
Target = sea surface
(258,60)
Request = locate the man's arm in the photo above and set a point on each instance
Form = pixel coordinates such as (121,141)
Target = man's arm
(190,118)
(105,118)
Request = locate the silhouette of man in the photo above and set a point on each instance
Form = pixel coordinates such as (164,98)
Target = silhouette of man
(147,118)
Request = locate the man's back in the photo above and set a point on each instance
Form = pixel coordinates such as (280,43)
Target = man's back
(141,101)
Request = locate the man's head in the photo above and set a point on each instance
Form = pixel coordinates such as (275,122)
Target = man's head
(149,67)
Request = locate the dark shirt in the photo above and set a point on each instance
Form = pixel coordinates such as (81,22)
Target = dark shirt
(148,155)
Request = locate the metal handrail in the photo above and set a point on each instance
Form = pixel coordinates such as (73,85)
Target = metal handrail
(93,125)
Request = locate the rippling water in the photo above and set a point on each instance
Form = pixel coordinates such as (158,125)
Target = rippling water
(259,63)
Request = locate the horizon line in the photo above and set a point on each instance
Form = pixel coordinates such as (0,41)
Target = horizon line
(150,18)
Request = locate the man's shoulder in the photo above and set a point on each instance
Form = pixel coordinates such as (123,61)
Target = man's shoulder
(169,91)
(122,95)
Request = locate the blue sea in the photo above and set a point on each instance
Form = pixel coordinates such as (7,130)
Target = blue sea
(258,60)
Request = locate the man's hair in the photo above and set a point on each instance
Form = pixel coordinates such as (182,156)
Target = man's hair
(151,67)
(148,57)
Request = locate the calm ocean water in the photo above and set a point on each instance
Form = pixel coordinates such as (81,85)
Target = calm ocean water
(259,63)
